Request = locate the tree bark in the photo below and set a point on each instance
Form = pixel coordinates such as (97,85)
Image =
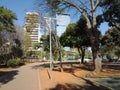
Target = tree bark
(94,38)
(83,54)
(119,57)
(60,59)
(58,46)
(79,51)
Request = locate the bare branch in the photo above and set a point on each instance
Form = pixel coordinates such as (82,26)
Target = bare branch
(97,3)
(81,10)
(84,5)
(74,5)
(94,4)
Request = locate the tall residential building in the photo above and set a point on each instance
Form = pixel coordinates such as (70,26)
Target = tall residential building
(32,27)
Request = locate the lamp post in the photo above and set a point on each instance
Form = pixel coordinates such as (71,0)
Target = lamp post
(48,22)
(50,57)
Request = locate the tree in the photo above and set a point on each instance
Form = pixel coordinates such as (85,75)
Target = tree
(6,22)
(16,49)
(88,10)
(111,38)
(27,43)
(76,36)
(111,12)
(46,44)
(19,33)
(111,41)
(6,19)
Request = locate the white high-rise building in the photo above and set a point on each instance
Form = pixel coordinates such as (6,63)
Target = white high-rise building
(32,27)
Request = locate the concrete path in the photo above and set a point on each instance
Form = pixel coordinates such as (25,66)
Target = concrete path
(111,82)
(23,78)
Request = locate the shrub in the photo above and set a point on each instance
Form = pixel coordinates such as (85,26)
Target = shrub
(14,62)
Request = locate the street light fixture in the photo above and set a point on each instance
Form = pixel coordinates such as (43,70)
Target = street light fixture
(48,23)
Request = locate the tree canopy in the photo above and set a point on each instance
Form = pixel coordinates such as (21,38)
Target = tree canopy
(111,43)
(111,12)
(86,8)
(76,35)
(7,18)
(111,38)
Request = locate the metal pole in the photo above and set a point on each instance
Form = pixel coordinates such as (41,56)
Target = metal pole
(50,53)
(48,23)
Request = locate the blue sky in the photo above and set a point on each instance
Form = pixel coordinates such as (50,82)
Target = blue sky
(19,7)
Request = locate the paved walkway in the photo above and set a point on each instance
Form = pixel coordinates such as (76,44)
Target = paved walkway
(112,82)
(23,78)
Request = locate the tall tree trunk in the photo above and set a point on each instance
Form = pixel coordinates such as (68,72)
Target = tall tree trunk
(79,51)
(91,24)
(119,57)
(83,54)
(60,59)
(94,38)
(58,46)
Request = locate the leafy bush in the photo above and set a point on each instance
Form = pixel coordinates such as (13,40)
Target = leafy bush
(14,62)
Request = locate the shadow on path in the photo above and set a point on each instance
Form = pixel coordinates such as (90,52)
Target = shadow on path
(41,66)
(8,76)
(88,86)
(113,82)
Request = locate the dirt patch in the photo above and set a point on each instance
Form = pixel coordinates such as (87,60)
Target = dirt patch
(73,78)
(67,81)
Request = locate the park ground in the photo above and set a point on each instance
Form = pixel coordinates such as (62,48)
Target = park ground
(74,77)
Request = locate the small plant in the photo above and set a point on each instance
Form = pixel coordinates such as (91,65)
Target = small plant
(14,62)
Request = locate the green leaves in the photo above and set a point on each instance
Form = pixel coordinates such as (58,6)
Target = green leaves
(111,38)
(6,19)
(54,4)
(111,12)
(76,35)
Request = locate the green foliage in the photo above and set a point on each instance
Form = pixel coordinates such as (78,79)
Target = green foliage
(34,54)
(76,35)
(111,38)
(17,52)
(111,42)
(54,5)
(27,43)
(14,62)
(45,41)
(37,45)
(111,12)
(117,52)
(6,19)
